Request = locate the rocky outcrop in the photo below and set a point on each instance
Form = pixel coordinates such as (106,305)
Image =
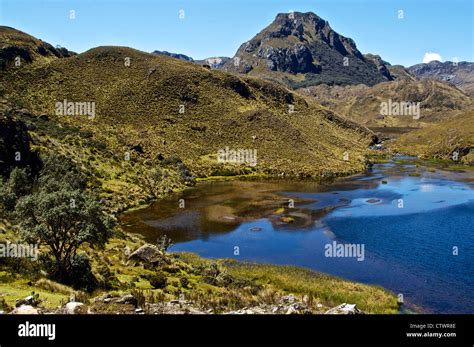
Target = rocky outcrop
(149,255)
(293,59)
(303,43)
(215,62)
(135,303)
(25,49)
(74,308)
(15,148)
(380,64)
(25,309)
(286,305)
(344,309)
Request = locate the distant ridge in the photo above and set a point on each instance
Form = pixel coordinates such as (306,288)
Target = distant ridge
(460,74)
(174,55)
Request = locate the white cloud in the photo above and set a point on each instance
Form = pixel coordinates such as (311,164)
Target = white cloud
(430,56)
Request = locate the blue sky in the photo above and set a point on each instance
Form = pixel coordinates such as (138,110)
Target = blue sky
(218,27)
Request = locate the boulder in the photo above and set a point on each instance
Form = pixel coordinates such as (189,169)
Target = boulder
(345,309)
(73,307)
(128,300)
(288,299)
(149,254)
(29,300)
(292,310)
(25,309)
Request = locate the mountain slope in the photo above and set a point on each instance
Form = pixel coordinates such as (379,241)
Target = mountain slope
(460,74)
(301,49)
(442,140)
(399,72)
(138,106)
(19,47)
(438,101)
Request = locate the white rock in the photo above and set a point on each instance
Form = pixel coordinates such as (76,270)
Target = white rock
(344,309)
(71,307)
(25,309)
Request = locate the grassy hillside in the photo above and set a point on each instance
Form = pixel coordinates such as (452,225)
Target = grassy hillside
(17,47)
(441,140)
(139,105)
(139,146)
(438,101)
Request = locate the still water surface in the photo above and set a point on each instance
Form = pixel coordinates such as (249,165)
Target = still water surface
(409,218)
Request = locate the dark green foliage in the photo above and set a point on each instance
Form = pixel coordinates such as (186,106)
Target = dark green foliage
(185,175)
(15,148)
(184,281)
(80,274)
(183,171)
(22,266)
(108,279)
(17,185)
(172,160)
(4,306)
(60,173)
(158,280)
(61,215)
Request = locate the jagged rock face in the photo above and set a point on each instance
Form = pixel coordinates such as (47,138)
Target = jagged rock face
(303,43)
(380,64)
(294,60)
(216,62)
(400,73)
(460,74)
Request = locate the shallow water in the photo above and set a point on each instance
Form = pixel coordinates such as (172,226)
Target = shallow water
(408,218)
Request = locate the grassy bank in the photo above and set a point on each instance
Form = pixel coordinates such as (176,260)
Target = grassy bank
(212,285)
(451,141)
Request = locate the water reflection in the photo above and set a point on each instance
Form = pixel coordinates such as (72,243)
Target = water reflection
(408,216)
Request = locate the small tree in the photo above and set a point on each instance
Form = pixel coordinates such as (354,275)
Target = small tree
(17,185)
(63,220)
(61,215)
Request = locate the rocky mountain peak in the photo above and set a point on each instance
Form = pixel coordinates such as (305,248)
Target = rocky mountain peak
(304,43)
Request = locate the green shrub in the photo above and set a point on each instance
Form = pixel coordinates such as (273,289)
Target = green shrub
(158,280)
